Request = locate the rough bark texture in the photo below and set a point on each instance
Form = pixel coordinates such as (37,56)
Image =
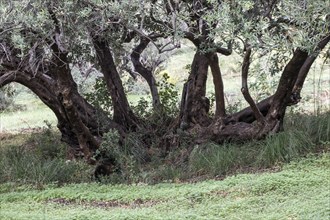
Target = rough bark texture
(288,78)
(144,71)
(46,89)
(122,113)
(220,109)
(195,106)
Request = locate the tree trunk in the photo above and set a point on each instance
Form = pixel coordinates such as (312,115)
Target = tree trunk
(78,121)
(240,126)
(287,81)
(220,109)
(195,106)
(122,113)
(145,72)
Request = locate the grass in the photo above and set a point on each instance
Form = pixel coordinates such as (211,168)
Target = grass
(39,158)
(34,114)
(299,191)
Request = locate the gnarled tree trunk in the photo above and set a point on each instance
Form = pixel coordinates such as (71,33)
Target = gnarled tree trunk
(122,113)
(145,72)
(194,105)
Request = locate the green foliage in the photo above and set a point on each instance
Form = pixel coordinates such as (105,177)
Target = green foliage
(168,95)
(262,86)
(7,94)
(233,107)
(100,96)
(169,98)
(124,157)
(143,108)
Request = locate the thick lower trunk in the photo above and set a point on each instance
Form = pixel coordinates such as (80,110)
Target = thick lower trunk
(65,90)
(195,106)
(95,121)
(247,115)
(240,126)
(283,94)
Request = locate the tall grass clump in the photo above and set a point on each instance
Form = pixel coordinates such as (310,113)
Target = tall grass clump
(40,161)
(283,147)
(213,159)
(303,134)
(317,127)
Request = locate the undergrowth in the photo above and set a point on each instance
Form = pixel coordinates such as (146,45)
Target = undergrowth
(41,159)
(142,160)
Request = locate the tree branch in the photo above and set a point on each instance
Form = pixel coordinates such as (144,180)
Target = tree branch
(145,72)
(303,72)
(245,89)
(225,51)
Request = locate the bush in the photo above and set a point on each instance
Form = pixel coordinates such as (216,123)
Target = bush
(7,94)
(123,158)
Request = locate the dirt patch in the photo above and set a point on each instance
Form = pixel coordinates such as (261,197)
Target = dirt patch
(220,193)
(138,203)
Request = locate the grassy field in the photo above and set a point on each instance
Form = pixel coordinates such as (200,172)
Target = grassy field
(299,191)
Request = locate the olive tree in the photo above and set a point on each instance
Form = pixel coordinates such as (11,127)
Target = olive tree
(42,41)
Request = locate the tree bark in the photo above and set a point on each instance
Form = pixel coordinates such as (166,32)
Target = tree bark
(306,67)
(145,72)
(45,88)
(245,88)
(122,113)
(283,93)
(220,108)
(195,106)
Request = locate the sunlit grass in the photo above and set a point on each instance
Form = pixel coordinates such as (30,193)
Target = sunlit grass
(33,114)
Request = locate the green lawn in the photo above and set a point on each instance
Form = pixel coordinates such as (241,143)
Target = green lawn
(299,191)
